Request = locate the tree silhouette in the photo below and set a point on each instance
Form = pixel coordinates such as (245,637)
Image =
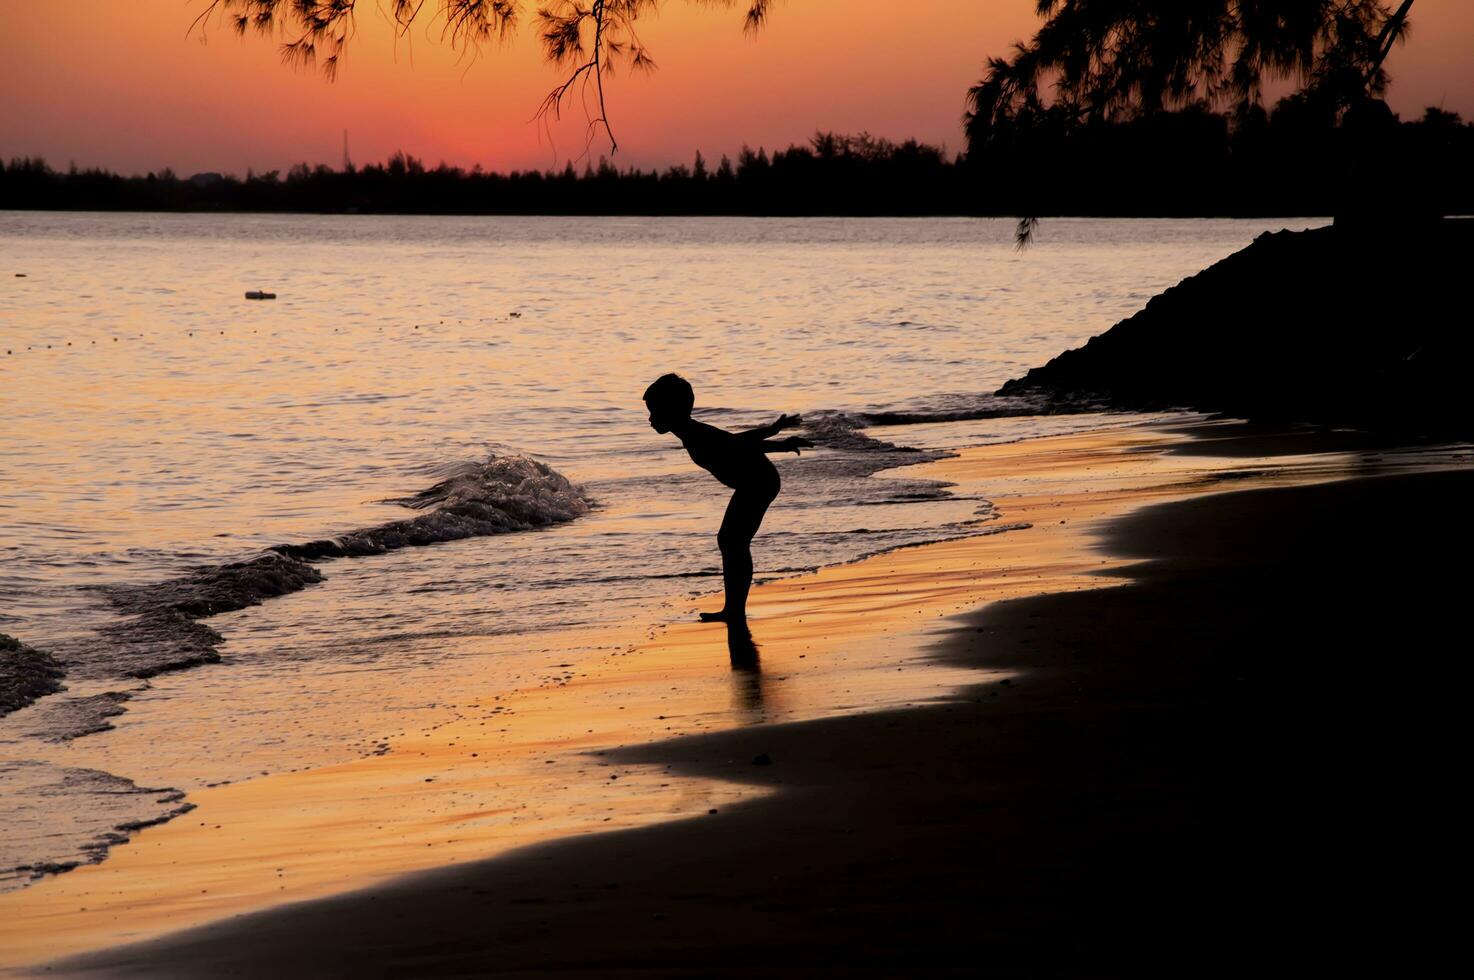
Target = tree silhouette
(588,38)
(1109,60)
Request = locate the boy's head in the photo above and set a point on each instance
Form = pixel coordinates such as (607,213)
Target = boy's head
(670,400)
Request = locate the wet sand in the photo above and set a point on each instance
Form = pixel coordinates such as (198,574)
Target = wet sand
(1115,763)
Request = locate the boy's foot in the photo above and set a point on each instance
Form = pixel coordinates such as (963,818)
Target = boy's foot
(721,616)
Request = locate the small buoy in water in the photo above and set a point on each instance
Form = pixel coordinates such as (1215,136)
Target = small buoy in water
(259,294)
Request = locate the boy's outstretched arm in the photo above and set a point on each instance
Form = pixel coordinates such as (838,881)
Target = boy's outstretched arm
(790,445)
(772,428)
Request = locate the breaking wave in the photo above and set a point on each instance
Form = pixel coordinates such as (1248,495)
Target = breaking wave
(504,494)
(25,674)
(965,408)
(842,430)
(498,496)
(68,816)
(213,589)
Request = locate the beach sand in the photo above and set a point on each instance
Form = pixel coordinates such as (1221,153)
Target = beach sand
(1122,740)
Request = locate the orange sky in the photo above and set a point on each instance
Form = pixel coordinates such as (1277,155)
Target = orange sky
(116,83)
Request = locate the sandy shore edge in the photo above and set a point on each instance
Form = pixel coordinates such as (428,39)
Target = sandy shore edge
(827,758)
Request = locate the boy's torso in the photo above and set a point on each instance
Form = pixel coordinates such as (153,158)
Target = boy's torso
(737,462)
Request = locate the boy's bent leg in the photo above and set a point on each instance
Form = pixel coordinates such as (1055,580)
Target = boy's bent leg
(739,526)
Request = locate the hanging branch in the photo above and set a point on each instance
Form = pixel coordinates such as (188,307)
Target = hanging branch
(316,32)
(1023,234)
(563,33)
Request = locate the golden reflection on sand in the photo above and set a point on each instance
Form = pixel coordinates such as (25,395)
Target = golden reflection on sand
(525,766)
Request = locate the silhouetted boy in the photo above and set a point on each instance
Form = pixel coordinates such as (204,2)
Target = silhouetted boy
(739,460)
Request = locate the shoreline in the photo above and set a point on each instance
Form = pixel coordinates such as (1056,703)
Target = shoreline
(851,613)
(1274,214)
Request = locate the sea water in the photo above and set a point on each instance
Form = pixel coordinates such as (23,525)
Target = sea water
(272,534)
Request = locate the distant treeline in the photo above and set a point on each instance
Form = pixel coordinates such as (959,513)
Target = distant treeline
(834,175)
(1186,163)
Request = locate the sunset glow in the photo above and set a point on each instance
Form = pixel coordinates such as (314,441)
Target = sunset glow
(672,492)
(124,86)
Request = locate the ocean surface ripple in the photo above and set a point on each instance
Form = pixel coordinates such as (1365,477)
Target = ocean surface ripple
(172,457)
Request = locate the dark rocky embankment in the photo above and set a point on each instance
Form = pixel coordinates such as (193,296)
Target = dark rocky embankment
(1365,326)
